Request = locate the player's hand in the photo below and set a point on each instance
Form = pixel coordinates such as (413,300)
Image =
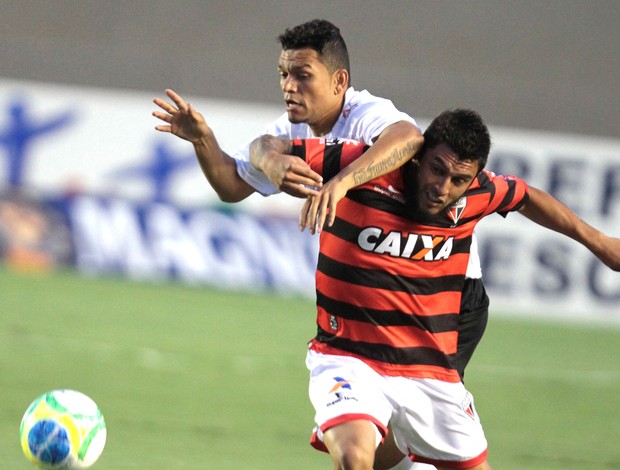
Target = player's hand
(181,118)
(292,175)
(320,210)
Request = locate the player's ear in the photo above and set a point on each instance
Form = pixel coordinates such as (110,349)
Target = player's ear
(341,81)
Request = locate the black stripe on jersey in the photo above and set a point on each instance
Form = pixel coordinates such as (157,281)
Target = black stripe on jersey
(388,354)
(483,179)
(349,232)
(344,230)
(332,161)
(434,324)
(375,200)
(512,184)
(332,158)
(510,194)
(299,150)
(380,279)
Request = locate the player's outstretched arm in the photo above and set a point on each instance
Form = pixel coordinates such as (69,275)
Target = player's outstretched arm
(182,120)
(547,211)
(290,174)
(397,144)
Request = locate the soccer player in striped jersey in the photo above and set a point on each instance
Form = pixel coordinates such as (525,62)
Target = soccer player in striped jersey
(389,278)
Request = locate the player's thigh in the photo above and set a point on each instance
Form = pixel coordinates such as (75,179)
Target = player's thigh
(388,454)
(352,444)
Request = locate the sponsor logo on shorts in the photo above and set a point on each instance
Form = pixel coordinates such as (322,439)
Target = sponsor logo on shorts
(340,383)
(339,389)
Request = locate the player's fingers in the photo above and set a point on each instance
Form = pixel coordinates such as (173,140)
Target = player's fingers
(163,116)
(163,128)
(297,190)
(302,173)
(303,215)
(322,211)
(331,216)
(312,214)
(165,106)
(293,179)
(309,221)
(180,102)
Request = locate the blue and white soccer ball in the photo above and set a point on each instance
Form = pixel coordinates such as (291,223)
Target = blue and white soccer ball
(63,429)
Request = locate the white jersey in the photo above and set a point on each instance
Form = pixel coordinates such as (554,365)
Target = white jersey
(363,118)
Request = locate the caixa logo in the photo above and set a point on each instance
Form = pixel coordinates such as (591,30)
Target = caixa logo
(411,245)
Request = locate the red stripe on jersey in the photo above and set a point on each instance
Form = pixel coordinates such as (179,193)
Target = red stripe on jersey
(398,336)
(441,303)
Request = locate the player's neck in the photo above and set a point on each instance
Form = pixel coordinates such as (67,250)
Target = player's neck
(327,122)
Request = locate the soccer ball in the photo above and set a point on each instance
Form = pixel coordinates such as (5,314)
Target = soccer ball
(63,429)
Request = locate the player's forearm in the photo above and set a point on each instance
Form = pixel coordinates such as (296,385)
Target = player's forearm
(395,146)
(545,210)
(550,213)
(220,170)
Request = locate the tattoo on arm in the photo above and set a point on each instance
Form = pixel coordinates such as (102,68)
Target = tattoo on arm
(384,165)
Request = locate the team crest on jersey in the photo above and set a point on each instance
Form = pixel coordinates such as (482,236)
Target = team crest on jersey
(456,210)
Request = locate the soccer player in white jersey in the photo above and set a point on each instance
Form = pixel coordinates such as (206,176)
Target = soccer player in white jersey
(320,102)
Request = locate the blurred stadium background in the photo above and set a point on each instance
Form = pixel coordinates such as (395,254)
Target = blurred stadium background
(549,65)
(122,275)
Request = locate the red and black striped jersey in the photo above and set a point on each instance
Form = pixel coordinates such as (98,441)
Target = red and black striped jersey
(388,286)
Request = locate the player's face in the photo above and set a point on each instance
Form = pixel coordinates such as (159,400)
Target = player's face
(441,179)
(310,90)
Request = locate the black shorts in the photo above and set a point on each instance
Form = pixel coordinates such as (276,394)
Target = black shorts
(473,319)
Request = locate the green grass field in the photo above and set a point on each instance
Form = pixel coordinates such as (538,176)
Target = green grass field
(191,378)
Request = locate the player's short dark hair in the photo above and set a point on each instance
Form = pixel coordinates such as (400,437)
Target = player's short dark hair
(464,131)
(323,37)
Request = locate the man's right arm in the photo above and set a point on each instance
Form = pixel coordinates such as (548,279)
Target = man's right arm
(220,170)
(287,173)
